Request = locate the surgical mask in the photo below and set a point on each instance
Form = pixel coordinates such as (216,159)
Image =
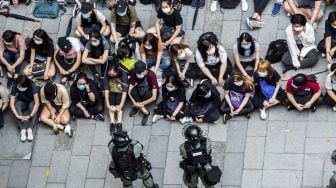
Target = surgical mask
(8,43)
(38,42)
(95,43)
(148,47)
(81,87)
(333,26)
(239,83)
(262,74)
(170,89)
(166,10)
(140,75)
(211,51)
(85,16)
(22,88)
(297,29)
(181,55)
(246,46)
(122,14)
(208,94)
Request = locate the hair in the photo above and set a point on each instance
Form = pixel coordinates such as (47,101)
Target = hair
(266,65)
(113,66)
(9,35)
(23,81)
(248,38)
(95,34)
(152,40)
(237,75)
(173,52)
(169,2)
(175,81)
(332,17)
(298,19)
(50,89)
(203,43)
(123,51)
(202,89)
(46,40)
(81,75)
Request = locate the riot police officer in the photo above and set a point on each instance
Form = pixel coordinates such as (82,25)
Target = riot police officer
(128,163)
(196,155)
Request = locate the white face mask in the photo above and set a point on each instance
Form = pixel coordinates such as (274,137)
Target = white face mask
(211,51)
(298,29)
(208,94)
(22,89)
(8,43)
(141,75)
(38,42)
(165,10)
(123,13)
(95,43)
(182,55)
(239,83)
(148,47)
(262,74)
(170,89)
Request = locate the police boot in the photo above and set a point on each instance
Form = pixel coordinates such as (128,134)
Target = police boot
(155,185)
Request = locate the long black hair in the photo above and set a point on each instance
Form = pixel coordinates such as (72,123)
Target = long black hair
(332,17)
(298,19)
(9,35)
(248,38)
(203,43)
(47,41)
(152,40)
(175,81)
(23,81)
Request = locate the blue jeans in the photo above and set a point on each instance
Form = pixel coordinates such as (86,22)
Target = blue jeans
(23,108)
(165,61)
(11,58)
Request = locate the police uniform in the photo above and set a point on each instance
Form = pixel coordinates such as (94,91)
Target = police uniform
(128,165)
(195,160)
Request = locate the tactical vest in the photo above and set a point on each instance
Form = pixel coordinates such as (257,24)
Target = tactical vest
(197,156)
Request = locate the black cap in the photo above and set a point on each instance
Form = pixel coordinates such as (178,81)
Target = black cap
(50,91)
(300,79)
(121,6)
(333,67)
(140,66)
(64,44)
(86,7)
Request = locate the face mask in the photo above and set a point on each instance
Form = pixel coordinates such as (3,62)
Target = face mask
(239,83)
(112,77)
(246,46)
(297,28)
(81,87)
(148,47)
(22,88)
(170,89)
(208,94)
(166,10)
(333,26)
(8,43)
(140,75)
(38,42)
(181,56)
(262,74)
(122,14)
(211,51)
(85,16)
(95,43)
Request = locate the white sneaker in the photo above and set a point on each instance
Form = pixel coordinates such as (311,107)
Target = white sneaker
(323,55)
(314,26)
(186,120)
(156,118)
(30,134)
(68,130)
(244,5)
(334,108)
(263,114)
(23,135)
(213,6)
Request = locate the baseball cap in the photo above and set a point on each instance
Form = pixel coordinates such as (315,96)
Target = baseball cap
(140,66)
(121,6)
(64,44)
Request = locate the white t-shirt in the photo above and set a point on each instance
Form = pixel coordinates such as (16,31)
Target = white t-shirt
(212,60)
(189,55)
(330,83)
(75,43)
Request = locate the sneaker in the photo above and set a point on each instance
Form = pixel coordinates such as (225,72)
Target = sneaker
(186,119)
(213,5)
(323,55)
(112,128)
(288,14)
(276,9)
(226,117)
(314,26)
(289,108)
(99,117)
(4,4)
(28,2)
(193,4)
(156,118)
(30,134)
(201,4)
(145,119)
(256,23)
(55,128)
(313,108)
(119,127)
(134,112)
(68,130)
(334,108)
(263,114)
(248,116)
(248,22)
(191,81)
(244,5)
(23,135)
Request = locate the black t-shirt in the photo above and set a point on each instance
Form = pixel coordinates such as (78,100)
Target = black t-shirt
(214,98)
(40,51)
(174,19)
(25,96)
(78,96)
(179,93)
(230,86)
(329,30)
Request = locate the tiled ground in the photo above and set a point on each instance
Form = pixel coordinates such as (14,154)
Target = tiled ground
(288,150)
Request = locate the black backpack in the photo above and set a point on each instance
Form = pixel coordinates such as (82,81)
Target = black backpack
(228,4)
(276,50)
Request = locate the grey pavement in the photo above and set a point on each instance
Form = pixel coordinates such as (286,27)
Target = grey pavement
(290,149)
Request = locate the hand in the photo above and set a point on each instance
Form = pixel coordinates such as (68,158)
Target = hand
(329,59)
(167,43)
(10,69)
(221,81)
(112,108)
(272,101)
(15,3)
(199,120)
(21,118)
(58,119)
(299,107)
(297,66)
(86,114)
(45,76)
(118,108)
(231,109)
(87,87)
(214,82)
(181,76)
(53,116)
(87,37)
(308,105)
(173,118)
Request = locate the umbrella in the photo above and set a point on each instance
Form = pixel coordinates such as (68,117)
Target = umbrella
(195,14)
(17,16)
(69,27)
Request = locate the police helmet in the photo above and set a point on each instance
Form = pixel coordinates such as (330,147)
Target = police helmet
(193,133)
(120,139)
(300,79)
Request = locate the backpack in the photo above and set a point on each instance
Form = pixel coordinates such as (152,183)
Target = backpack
(276,50)
(228,4)
(46,9)
(236,99)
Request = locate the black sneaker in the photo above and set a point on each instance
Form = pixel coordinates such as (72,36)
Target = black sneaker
(103,4)
(313,109)
(145,119)
(112,128)
(248,116)
(99,117)
(9,83)
(119,127)
(289,107)
(226,117)
(134,112)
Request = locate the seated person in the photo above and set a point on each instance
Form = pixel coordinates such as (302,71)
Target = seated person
(327,46)
(55,112)
(255,20)
(212,59)
(204,103)
(115,89)
(24,103)
(96,53)
(301,44)
(68,57)
(4,103)
(303,92)
(12,54)
(86,101)
(330,85)
(152,52)
(173,101)
(237,93)
(90,19)
(247,53)
(313,10)
(41,64)
(125,21)
(268,92)
(172,21)
(142,91)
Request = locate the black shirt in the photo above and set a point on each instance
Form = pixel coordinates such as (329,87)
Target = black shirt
(230,86)
(173,20)
(329,31)
(179,94)
(270,81)
(214,98)
(40,51)
(25,96)
(78,96)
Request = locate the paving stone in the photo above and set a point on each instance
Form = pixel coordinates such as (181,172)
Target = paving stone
(142,134)
(233,169)
(213,21)
(4,174)
(227,40)
(269,32)
(282,113)
(59,166)
(83,139)
(14,25)
(284,21)
(218,156)
(22,150)
(251,178)
(2,22)
(96,183)
(98,162)
(171,186)
(5,162)
(257,127)
(37,177)
(157,151)
(232,15)
(312,171)
(320,114)
(10,126)
(295,137)
(175,138)
(77,171)
(279,161)
(161,128)
(199,21)
(51,26)
(281,178)
(158,174)
(51,185)
(236,138)
(144,22)
(218,132)
(111,182)
(320,129)
(43,150)
(7,145)
(281,34)
(254,153)
(276,136)
(191,39)
(64,21)
(101,134)
(19,173)
(320,145)
(173,174)
(44,129)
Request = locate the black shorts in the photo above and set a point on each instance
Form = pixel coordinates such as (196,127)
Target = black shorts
(124,29)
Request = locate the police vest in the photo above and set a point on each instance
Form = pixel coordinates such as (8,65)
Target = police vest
(197,156)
